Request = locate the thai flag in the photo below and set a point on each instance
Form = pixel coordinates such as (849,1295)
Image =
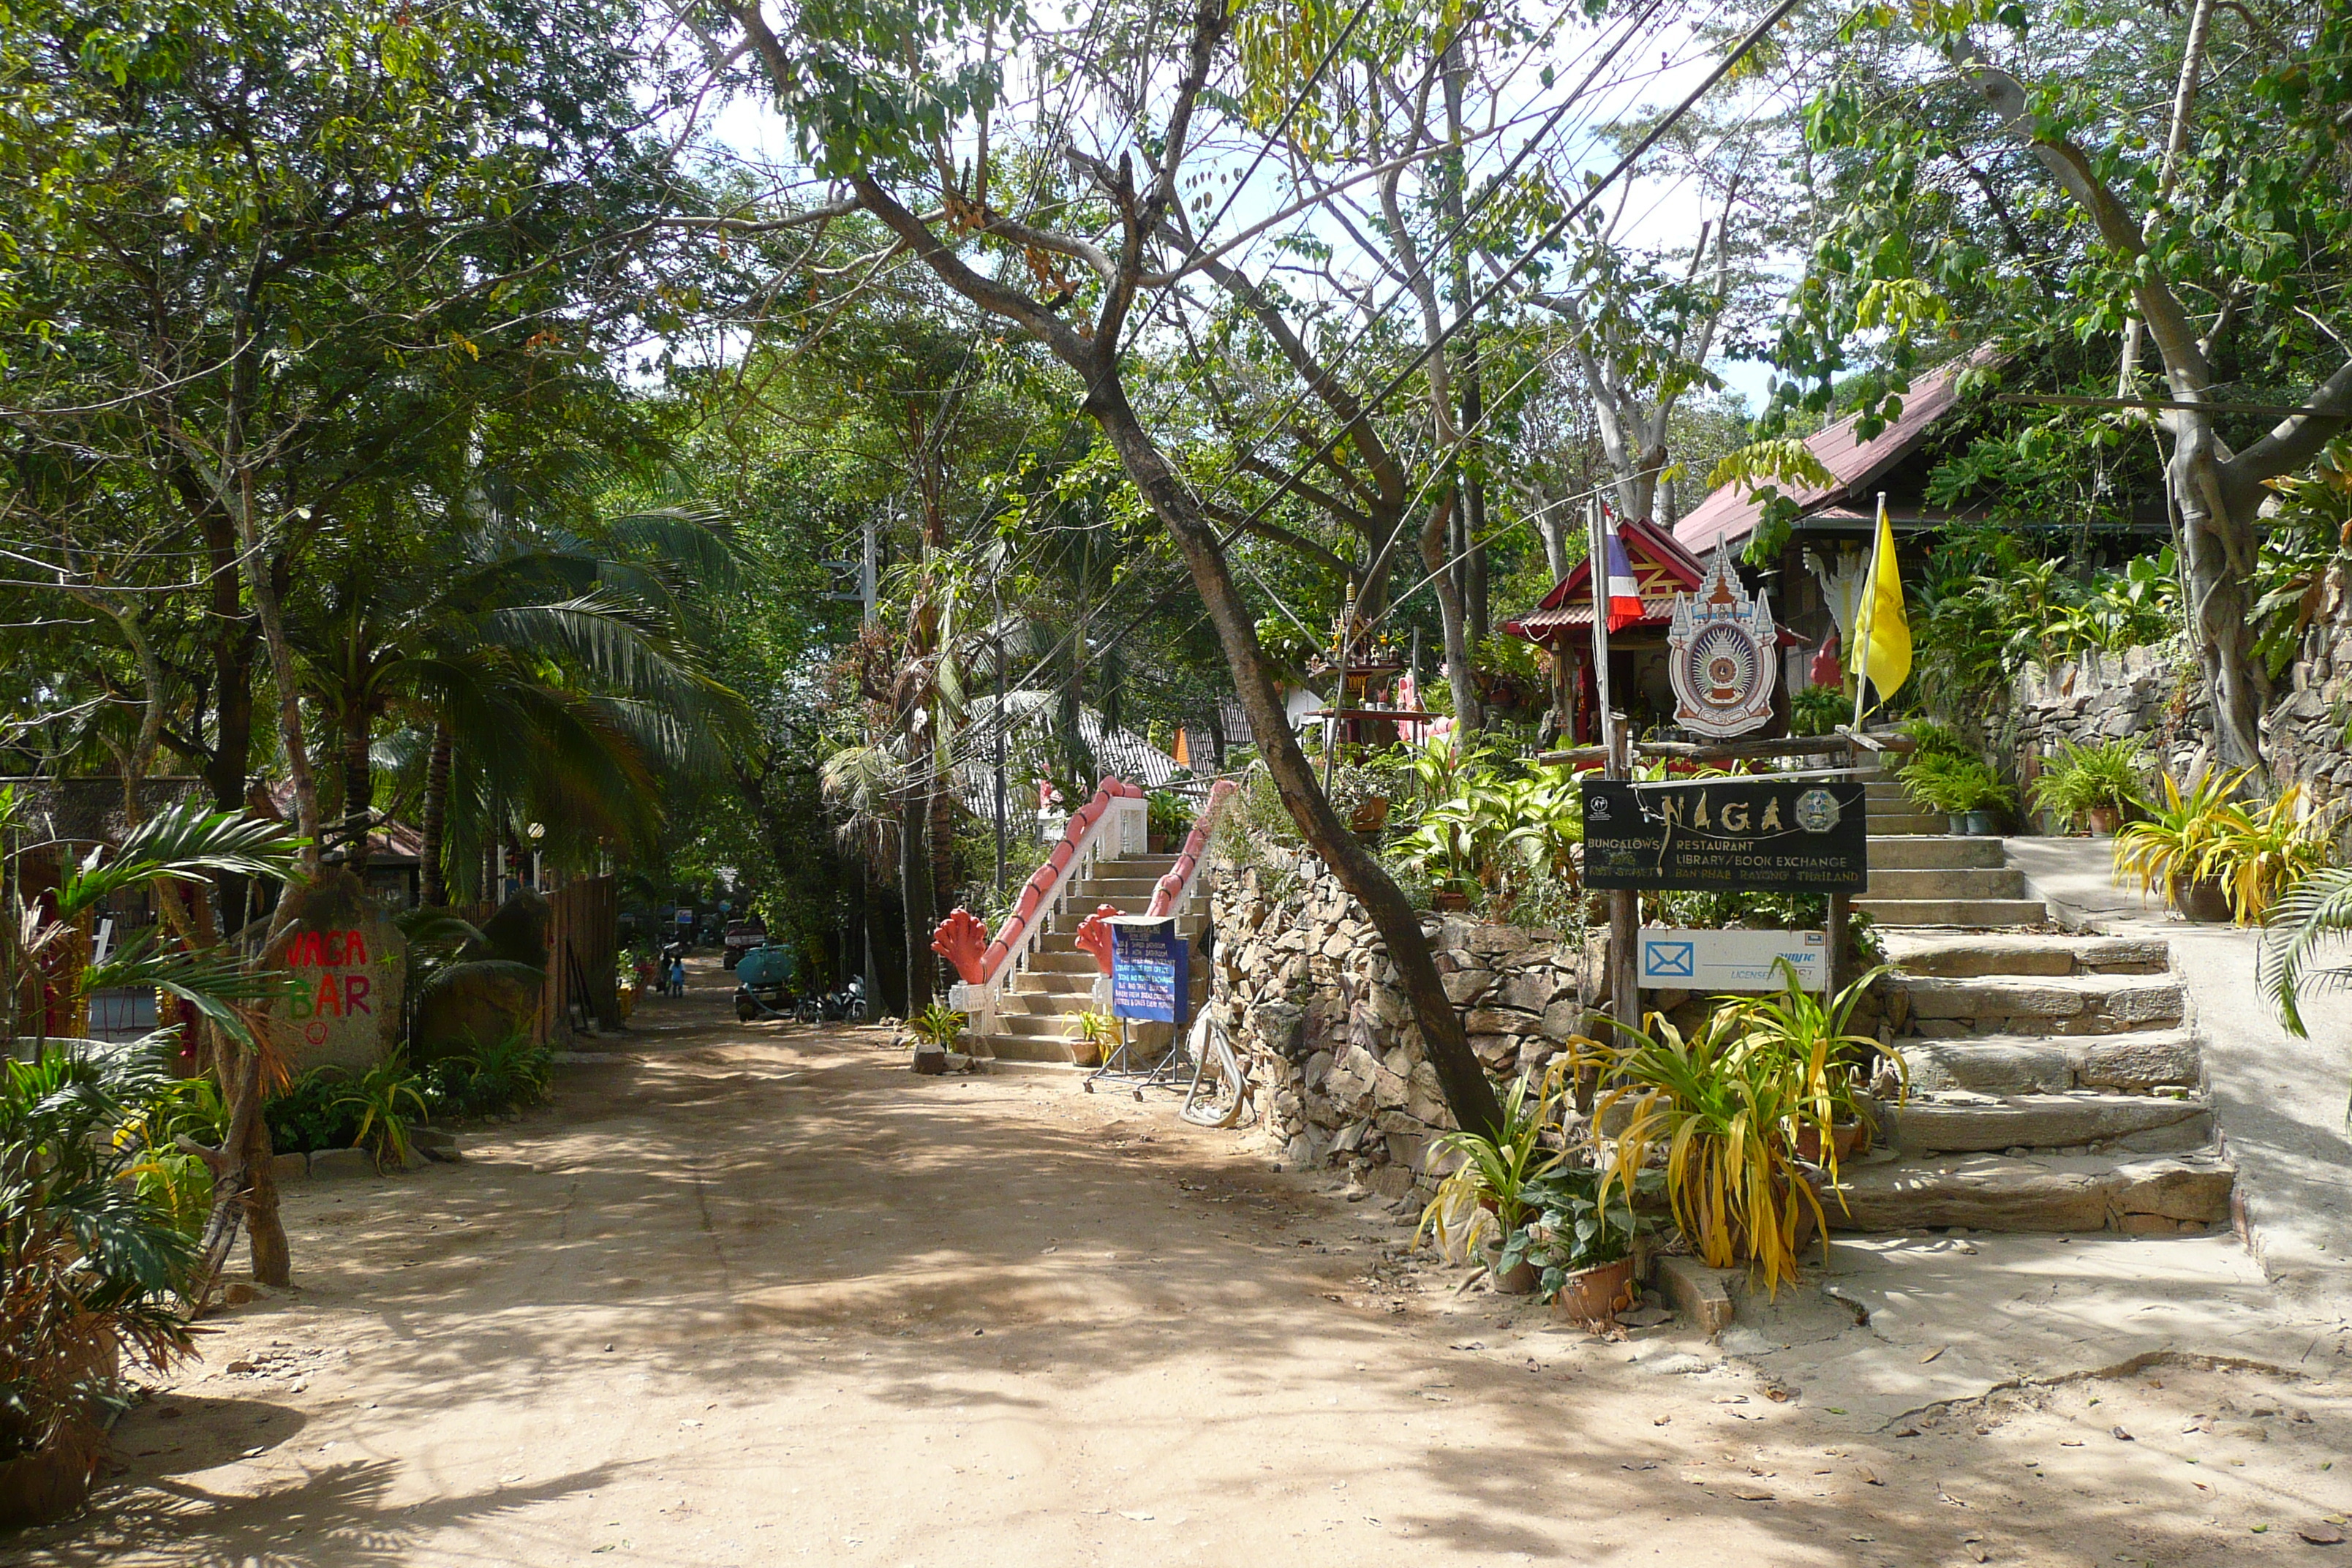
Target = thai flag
(1624,594)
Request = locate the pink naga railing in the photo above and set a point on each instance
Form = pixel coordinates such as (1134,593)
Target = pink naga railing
(1112,822)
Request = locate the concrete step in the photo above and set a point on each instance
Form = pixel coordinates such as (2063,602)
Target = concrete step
(1884,789)
(1120,890)
(2159,1196)
(1011,1048)
(1032,1025)
(1053,983)
(1063,956)
(1961,883)
(1951,957)
(1895,820)
(2138,1060)
(1044,1003)
(1933,852)
(1966,1123)
(2038,1004)
(1980,914)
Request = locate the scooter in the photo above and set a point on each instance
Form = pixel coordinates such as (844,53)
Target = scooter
(844,1006)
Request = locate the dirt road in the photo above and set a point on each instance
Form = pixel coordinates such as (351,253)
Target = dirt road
(757,1294)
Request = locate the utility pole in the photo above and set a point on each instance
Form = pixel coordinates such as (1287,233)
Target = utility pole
(998,599)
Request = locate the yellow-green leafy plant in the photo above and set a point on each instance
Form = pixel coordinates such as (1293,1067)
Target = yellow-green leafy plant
(2176,841)
(1487,1191)
(1814,1033)
(937,1024)
(387,1100)
(1095,1035)
(1723,1107)
(2260,852)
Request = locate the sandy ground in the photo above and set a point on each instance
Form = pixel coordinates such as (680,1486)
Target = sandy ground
(756,1294)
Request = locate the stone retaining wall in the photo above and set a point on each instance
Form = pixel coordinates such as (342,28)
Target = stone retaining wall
(1304,989)
(2157,691)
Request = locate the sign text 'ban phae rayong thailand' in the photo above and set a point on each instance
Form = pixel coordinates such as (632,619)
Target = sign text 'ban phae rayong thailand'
(1726,835)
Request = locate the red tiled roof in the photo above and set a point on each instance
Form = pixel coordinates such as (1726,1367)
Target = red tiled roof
(1732,513)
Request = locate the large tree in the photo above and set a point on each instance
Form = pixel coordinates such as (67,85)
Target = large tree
(2106,172)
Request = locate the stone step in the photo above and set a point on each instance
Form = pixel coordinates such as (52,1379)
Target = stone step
(1956,1123)
(1942,883)
(1894,821)
(1029,1026)
(1980,914)
(1064,959)
(1883,788)
(1044,1003)
(1933,852)
(1994,954)
(2138,1060)
(2182,1195)
(2038,1004)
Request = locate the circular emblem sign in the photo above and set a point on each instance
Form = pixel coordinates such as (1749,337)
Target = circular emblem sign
(1721,654)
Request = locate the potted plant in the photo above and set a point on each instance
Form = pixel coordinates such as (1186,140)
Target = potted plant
(1168,819)
(1483,1202)
(936,1029)
(1722,1110)
(96,1261)
(1582,1245)
(2260,852)
(2092,785)
(2176,846)
(1963,788)
(1093,1036)
(1816,1035)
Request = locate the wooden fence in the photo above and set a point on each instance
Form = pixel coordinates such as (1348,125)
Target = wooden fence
(582,946)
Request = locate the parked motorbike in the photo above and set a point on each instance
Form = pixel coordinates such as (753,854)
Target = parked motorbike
(844,1006)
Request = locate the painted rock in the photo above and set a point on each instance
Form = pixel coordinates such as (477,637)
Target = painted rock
(348,964)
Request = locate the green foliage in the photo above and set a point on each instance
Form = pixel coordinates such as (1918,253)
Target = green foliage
(1486,1194)
(2309,917)
(1578,1224)
(2105,777)
(1170,814)
(384,1103)
(1819,711)
(937,1024)
(92,1239)
(1955,784)
(509,1075)
(311,1115)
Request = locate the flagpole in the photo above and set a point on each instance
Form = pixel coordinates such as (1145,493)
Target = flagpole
(1597,558)
(1862,614)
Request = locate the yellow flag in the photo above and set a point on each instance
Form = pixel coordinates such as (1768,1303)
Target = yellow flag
(1885,652)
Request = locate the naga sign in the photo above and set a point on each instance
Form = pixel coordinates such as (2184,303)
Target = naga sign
(346,962)
(1726,835)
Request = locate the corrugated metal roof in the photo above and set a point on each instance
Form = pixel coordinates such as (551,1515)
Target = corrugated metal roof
(1731,513)
(1660,565)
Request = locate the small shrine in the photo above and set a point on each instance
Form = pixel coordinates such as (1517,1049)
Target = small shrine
(1368,663)
(1562,625)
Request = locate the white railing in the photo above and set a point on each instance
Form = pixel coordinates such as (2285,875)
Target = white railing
(1112,824)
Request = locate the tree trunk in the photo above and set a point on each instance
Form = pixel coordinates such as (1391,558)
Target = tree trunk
(232,660)
(941,829)
(1460,1078)
(265,1234)
(359,788)
(433,886)
(1435,536)
(2221,551)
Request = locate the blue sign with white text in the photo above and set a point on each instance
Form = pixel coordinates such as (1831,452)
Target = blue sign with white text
(1150,969)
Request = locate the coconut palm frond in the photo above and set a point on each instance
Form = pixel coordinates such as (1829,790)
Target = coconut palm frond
(2305,919)
(185,840)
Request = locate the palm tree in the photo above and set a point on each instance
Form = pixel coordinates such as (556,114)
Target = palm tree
(2307,918)
(531,671)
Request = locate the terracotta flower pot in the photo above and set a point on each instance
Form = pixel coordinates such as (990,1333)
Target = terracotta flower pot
(1370,817)
(1452,900)
(1845,1139)
(1598,1294)
(2104,820)
(1519,1280)
(2205,900)
(43,1488)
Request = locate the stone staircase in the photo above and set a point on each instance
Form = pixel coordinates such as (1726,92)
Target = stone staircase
(1033,1020)
(2056,1085)
(1922,876)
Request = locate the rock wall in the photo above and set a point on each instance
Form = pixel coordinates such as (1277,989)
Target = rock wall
(2153,691)
(2304,729)
(1306,991)
(2157,691)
